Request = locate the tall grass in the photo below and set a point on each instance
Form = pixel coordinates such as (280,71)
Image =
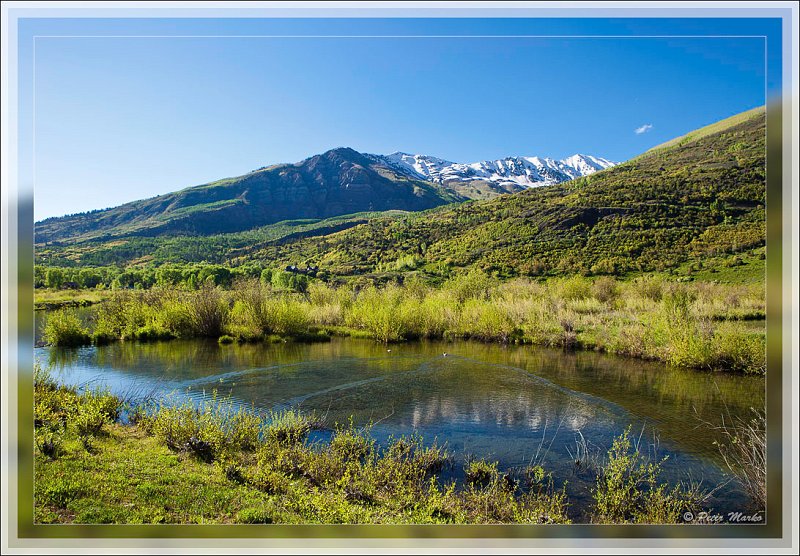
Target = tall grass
(697,325)
(64,328)
(743,446)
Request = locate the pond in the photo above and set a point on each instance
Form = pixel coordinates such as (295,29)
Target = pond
(512,404)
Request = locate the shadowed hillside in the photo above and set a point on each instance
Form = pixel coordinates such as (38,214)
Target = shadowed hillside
(340,181)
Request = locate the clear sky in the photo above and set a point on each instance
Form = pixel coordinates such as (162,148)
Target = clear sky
(124,118)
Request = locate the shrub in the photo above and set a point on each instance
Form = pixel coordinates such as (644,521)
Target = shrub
(481,473)
(379,312)
(649,287)
(152,332)
(349,444)
(186,428)
(486,320)
(575,287)
(49,442)
(94,410)
(476,284)
(64,328)
(628,489)
(288,427)
(285,317)
(209,311)
(739,350)
(178,317)
(605,289)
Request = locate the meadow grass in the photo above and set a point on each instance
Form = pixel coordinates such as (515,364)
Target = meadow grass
(213,462)
(701,325)
(59,298)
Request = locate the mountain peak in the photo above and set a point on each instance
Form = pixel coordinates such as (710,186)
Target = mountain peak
(514,172)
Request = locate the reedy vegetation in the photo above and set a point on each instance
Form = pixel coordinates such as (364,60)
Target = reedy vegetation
(180,463)
(695,325)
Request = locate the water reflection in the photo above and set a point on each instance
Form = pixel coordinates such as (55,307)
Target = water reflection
(503,403)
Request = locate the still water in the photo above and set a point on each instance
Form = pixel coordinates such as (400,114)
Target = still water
(511,404)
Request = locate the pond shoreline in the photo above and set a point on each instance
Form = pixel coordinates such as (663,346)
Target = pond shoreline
(492,401)
(698,325)
(265,470)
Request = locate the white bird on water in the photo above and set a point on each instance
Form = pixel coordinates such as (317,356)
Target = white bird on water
(444,354)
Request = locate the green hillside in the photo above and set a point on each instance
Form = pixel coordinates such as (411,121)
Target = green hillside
(216,248)
(695,204)
(685,202)
(338,182)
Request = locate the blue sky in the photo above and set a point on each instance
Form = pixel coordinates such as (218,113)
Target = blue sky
(124,118)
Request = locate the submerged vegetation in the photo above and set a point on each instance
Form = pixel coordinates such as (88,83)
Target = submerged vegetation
(693,325)
(175,462)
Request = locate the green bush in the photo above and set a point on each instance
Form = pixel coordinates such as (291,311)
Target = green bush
(486,320)
(64,328)
(209,311)
(476,284)
(285,317)
(573,288)
(380,312)
(95,410)
(605,289)
(628,489)
(481,473)
(152,332)
(288,427)
(739,350)
(648,287)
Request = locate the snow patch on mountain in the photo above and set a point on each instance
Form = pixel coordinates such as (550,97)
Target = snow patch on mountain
(523,171)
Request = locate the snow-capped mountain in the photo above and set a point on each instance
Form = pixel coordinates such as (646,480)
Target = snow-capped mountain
(519,171)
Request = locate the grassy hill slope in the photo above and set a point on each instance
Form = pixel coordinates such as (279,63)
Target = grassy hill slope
(697,197)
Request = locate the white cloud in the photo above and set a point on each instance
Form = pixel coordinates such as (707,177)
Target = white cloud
(644,129)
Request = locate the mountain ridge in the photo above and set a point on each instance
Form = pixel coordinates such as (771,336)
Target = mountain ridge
(700,197)
(337,182)
(523,171)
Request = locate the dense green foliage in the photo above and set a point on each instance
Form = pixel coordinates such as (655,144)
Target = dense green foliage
(699,198)
(137,250)
(695,325)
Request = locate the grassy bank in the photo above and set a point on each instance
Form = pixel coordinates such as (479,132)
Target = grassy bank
(696,325)
(214,464)
(51,299)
